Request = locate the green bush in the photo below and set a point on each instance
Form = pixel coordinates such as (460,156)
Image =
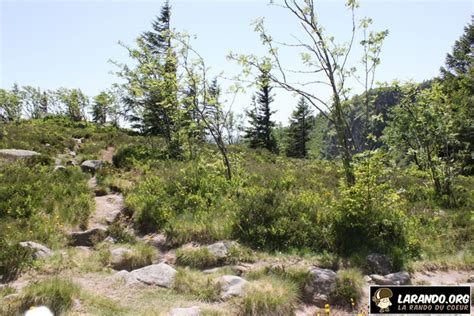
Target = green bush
(56,293)
(270,296)
(196,257)
(129,156)
(371,217)
(193,192)
(349,288)
(197,284)
(277,219)
(13,259)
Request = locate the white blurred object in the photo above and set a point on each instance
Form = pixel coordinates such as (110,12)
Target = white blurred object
(39,311)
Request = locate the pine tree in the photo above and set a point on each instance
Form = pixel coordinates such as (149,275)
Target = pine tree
(299,130)
(161,111)
(102,102)
(260,132)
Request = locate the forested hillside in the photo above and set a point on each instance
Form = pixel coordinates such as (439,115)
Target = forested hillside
(154,198)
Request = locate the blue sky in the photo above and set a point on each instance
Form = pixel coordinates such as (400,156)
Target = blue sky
(52,44)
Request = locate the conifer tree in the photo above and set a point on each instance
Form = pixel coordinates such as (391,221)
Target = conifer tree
(299,130)
(260,132)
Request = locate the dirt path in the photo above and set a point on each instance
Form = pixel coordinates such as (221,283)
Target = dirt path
(108,154)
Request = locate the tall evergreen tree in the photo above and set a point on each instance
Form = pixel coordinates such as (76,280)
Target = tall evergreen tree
(301,123)
(100,107)
(260,132)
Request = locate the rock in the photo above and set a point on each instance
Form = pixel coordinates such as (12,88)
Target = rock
(119,259)
(71,162)
(60,168)
(110,206)
(126,277)
(211,271)
(322,283)
(188,311)
(157,274)
(239,269)
(72,153)
(110,240)
(470,279)
(219,249)
(398,278)
(230,286)
(156,240)
(40,251)
(91,165)
(379,264)
(17,153)
(88,238)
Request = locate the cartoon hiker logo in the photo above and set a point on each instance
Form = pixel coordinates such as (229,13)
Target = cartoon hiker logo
(382,299)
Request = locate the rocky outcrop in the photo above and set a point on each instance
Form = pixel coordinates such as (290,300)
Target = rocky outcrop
(398,278)
(14,154)
(219,249)
(231,286)
(87,238)
(379,264)
(91,165)
(322,283)
(39,251)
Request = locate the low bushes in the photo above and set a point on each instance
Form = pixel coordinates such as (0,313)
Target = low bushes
(270,296)
(56,293)
(197,284)
(349,288)
(196,257)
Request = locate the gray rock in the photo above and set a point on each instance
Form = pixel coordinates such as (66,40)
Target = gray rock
(321,284)
(230,286)
(211,271)
(17,153)
(157,274)
(40,251)
(88,238)
(91,165)
(119,259)
(127,277)
(398,278)
(470,279)
(379,264)
(219,249)
(188,311)
(60,168)
(156,240)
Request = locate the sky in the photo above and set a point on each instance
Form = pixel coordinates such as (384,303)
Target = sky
(52,43)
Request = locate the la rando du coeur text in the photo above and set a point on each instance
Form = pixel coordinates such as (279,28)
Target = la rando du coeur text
(436,302)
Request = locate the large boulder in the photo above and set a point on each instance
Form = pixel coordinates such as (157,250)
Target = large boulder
(398,278)
(188,311)
(13,154)
(88,237)
(91,165)
(157,274)
(230,286)
(127,277)
(379,264)
(320,286)
(39,251)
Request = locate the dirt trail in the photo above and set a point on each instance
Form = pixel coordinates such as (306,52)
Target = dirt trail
(108,154)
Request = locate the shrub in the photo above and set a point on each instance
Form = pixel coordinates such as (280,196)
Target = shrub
(196,257)
(121,232)
(197,284)
(238,253)
(349,288)
(370,216)
(13,259)
(141,255)
(270,296)
(128,156)
(58,294)
(277,219)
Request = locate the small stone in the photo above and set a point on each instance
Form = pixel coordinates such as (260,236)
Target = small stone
(88,238)
(398,278)
(211,271)
(188,311)
(231,286)
(219,249)
(17,153)
(40,251)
